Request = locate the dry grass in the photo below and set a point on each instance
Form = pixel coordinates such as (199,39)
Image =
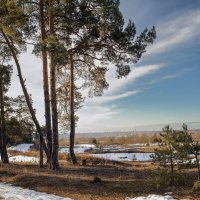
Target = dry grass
(123,140)
(119,180)
(28,153)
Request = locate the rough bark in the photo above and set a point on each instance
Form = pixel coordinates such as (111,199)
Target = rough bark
(3,128)
(1,149)
(32,112)
(41,162)
(1,145)
(172,166)
(54,161)
(72,119)
(54,158)
(45,81)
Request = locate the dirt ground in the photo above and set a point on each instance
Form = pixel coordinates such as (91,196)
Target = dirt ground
(118,180)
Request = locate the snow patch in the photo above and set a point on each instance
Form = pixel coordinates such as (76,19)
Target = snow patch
(21,147)
(24,159)
(124,156)
(76,150)
(85,145)
(10,192)
(153,197)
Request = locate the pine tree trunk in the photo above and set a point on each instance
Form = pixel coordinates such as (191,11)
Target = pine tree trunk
(54,161)
(1,143)
(41,162)
(4,149)
(45,82)
(72,120)
(172,166)
(54,158)
(32,112)
(1,149)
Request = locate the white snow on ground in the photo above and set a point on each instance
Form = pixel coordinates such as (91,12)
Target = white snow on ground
(10,192)
(24,159)
(76,150)
(85,145)
(137,144)
(21,147)
(152,197)
(124,156)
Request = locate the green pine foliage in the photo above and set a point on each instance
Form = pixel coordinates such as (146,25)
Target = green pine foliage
(176,149)
(89,35)
(19,125)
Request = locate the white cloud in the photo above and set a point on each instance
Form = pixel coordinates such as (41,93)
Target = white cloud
(176,32)
(171,76)
(119,85)
(106,99)
(92,117)
(95,111)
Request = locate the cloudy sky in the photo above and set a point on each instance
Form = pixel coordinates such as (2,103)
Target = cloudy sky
(162,88)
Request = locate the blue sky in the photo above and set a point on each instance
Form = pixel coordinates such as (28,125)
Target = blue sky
(162,88)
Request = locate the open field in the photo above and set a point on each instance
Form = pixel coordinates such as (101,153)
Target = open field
(98,177)
(119,180)
(126,139)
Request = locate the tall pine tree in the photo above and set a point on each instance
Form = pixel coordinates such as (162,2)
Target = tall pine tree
(94,35)
(5,78)
(14,30)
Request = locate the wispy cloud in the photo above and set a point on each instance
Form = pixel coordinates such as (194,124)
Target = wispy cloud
(171,76)
(96,110)
(106,99)
(118,85)
(175,32)
(119,88)
(92,116)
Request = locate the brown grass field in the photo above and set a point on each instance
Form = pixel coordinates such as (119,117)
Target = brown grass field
(119,180)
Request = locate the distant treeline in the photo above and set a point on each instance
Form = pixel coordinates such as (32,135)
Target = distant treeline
(142,138)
